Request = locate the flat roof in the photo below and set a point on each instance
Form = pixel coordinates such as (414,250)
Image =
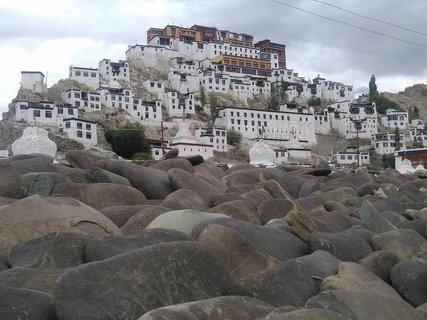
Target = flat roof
(84,68)
(77,119)
(33,72)
(264,110)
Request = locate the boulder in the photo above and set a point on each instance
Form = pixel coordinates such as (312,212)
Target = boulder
(256,197)
(363,306)
(243,176)
(409,278)
(319,264)
(225,197)
(101,195)
(168,164)
(97,175)
(100,249)
(58,250)
(181,179)
(139,221)
(238,256)
(32,279)
(380,263)
(182,220)
(41,182)
(274,209)
(195,159)
(184,199)
(287,181)
(340,194)
(121,214)
(279,244)
(355,278)
(172,153)
(82,159)
(374,220)
(23,304)
(219,308)
(26,163)
(345,245)
(129,285)
(153,183)
(237,209)
(309,187)
(306,314)
(35,216)
(286,284)
(403,242)
(74,174)
(10,182)
(419,226)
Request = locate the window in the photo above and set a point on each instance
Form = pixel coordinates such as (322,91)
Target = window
(78,73)
(70,111)
(77,104)
(159,85)
(60,111)
(67,124)
(36,113)
(79,134)
(342,157)
(88,126)
(48,114)
(88,135)
(79,125)
(85,74)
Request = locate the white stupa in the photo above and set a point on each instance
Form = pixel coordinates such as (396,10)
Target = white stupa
(261,154)
(34,140)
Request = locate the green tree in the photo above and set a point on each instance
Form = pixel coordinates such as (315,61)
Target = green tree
(416,113)
(383,103)
(234,138)
(128,140)
(396,138)
(213,103)
(202,96)
(314,101)
(373,91)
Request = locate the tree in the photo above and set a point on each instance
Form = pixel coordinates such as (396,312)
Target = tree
(416,112)
(202,96)
(213,103)
(396,138)
(128,140)
(373,91)
(314,101)
(234,138)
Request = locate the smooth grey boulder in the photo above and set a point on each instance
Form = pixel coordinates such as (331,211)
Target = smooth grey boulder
(306,314)
(340,194)
(153,183)
(355,278)
(309,187)
(403,242)
(225,197)
(139,221)
(56,250)
(346,245)
(32,279)
(374,220)
(286,284)
(172,153)
(184,199)
(287,181)
(101,195)
(237,209)
(279,244)
(380,263)
(363,306)
(219,308)
(10,182)
(319,264)
(35,216)
(23,304)
(256,197)
(101,249)
(238,256)
(97,175)
(121,214)
(82,159)
(409,278)
(168,164)
(41,182)
(271,209)
(419,226)
(180,179)
(247,176)
(129,285)
(36,162)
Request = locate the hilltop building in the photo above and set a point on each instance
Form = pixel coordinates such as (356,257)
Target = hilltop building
(87,76)
(34,81)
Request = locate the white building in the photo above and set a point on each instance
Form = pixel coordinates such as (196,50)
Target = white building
(214,82)
(275,127)
(395,118)
(151,56)
(215,136)
(347,158)
(179,105)
(137,108)
(155,87)
(115,71)
(322,124)
(418,135)
(334,91)
(87,76)
(88,101)
(249,88)
(34,81)
(183,82)
(82,131)
(386,143)
(418,123)
(182,65)
(344,116)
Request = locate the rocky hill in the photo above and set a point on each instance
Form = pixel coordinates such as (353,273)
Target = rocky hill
(415,95)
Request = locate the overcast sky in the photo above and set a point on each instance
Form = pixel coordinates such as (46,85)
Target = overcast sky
(50,35)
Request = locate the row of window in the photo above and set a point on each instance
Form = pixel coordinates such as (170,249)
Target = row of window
(264,116)
(85,74)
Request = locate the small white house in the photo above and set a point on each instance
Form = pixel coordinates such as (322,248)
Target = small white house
(395,118)
(115,71)
(41,113)
(347,158)
(34,81)
(87,76)
(179,105)
(386,143)
(215,136)
(89,101)
(418,135)
(80,130)
(417,123)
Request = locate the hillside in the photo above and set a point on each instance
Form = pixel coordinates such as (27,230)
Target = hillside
(415,95)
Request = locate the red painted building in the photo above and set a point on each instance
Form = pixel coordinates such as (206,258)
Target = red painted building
(280,49)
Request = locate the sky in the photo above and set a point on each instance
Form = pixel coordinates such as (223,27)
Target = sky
(51,35)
